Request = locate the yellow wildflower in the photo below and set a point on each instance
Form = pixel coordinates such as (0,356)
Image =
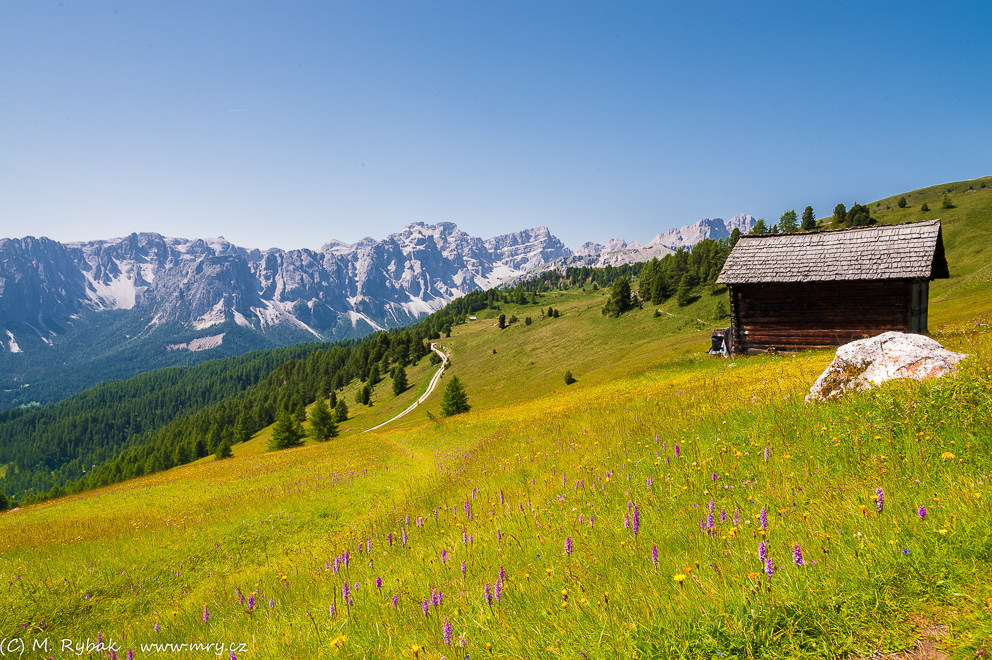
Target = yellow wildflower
(679,577)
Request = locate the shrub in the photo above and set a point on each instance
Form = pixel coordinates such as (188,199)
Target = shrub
(945,202)
(924,208)
(569,379)
(901,203)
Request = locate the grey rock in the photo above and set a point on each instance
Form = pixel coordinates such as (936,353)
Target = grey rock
(861,364)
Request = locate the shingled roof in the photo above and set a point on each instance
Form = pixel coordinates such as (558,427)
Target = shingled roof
(889,252)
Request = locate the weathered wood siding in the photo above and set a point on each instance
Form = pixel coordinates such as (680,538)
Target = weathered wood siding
(793,316)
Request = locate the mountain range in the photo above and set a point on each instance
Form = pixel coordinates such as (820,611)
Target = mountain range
(112,308)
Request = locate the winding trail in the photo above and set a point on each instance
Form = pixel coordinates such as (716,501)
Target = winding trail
(423,397)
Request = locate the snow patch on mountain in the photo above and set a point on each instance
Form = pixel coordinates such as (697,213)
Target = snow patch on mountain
(198,344)
(14,348)
(118,292)
(355,317)
(240,319)
(216,316)
(275,313)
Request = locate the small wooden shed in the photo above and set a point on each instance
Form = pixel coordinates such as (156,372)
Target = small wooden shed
(827,288)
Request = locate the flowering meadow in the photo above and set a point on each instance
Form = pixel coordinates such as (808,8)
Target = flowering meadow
(698,510)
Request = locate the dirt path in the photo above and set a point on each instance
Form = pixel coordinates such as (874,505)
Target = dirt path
(680,316)
(423,397)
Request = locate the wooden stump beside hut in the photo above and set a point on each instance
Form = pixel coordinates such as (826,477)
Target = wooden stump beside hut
(828,288)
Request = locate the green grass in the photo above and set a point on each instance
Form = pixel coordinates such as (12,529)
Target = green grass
(538,462)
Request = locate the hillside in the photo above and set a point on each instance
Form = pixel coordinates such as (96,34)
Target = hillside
(967,227)
(667,504)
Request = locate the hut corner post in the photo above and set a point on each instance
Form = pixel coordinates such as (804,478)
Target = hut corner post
(734,344)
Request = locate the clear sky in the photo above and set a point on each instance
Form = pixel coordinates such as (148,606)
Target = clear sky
(287,124)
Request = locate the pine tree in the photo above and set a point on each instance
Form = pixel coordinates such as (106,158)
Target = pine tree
(502,321)
(840,214)
(455,400)
(924,208)
(619,301)
(223,450)
(685,289)
(734,237)
(286,433)
(787,223)
(399,381)
(658,289)
(946,203)
(322,426)
(242,429)
(213,437)
(860,216)
(340,411)
(569,378)
(809,219)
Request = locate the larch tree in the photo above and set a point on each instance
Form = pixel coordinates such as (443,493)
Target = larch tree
(455,400)
(322,426)
(286,433)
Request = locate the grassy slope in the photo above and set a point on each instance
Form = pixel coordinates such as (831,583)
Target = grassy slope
(967,230)
(519,459)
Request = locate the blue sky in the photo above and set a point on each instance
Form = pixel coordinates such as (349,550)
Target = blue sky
(289,124)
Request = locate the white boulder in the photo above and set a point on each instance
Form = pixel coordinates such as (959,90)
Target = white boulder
(866,362)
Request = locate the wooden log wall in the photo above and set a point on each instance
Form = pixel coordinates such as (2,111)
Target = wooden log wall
(816,314)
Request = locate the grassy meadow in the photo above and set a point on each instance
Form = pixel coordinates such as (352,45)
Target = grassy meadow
(667,505)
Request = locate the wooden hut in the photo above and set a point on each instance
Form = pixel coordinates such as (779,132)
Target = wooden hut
(827,288)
